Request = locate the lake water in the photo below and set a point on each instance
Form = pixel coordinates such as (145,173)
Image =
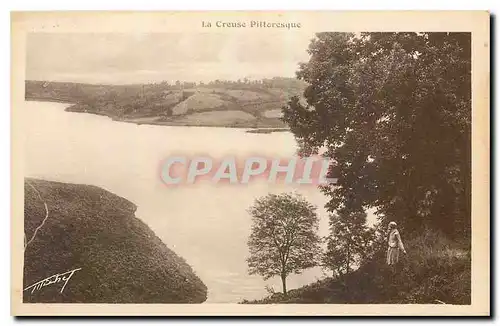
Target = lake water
(207,224)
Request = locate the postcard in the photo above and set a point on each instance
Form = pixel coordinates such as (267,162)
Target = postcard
(253,163)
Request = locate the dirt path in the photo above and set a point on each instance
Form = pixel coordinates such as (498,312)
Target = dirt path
(41,224)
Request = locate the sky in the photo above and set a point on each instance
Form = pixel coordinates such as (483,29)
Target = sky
(132,58)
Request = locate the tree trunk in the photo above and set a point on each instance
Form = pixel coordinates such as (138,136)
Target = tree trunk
(283,281)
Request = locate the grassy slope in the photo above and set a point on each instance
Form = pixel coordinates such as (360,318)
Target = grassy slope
(122,260)
(436,270)
(157,104)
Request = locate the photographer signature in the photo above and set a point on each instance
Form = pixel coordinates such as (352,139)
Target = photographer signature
(54,279)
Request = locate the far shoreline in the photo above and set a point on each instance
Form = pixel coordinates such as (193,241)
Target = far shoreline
(249,128)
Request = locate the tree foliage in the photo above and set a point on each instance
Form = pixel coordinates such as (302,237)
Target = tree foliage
(394,111)
(349,243)
(283,237)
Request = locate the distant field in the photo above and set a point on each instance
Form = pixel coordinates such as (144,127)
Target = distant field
(249,96)
(276,113)
(199,101)
(217,118)
(284,94)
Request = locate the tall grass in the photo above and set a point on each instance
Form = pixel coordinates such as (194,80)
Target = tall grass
(436,270)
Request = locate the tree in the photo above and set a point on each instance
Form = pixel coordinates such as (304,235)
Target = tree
(394,111)
(283,238)
(348,243)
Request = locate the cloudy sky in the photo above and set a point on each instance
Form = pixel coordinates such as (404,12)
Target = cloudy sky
(131,58)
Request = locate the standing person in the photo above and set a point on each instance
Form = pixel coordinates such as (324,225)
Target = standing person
(395,244)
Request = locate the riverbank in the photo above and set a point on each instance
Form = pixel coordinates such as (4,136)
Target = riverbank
(435,271)
(120,259)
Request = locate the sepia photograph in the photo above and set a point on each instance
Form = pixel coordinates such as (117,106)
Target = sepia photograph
(250,160)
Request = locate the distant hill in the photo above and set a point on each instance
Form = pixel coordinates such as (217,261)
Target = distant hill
(70,226)
(221,103)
